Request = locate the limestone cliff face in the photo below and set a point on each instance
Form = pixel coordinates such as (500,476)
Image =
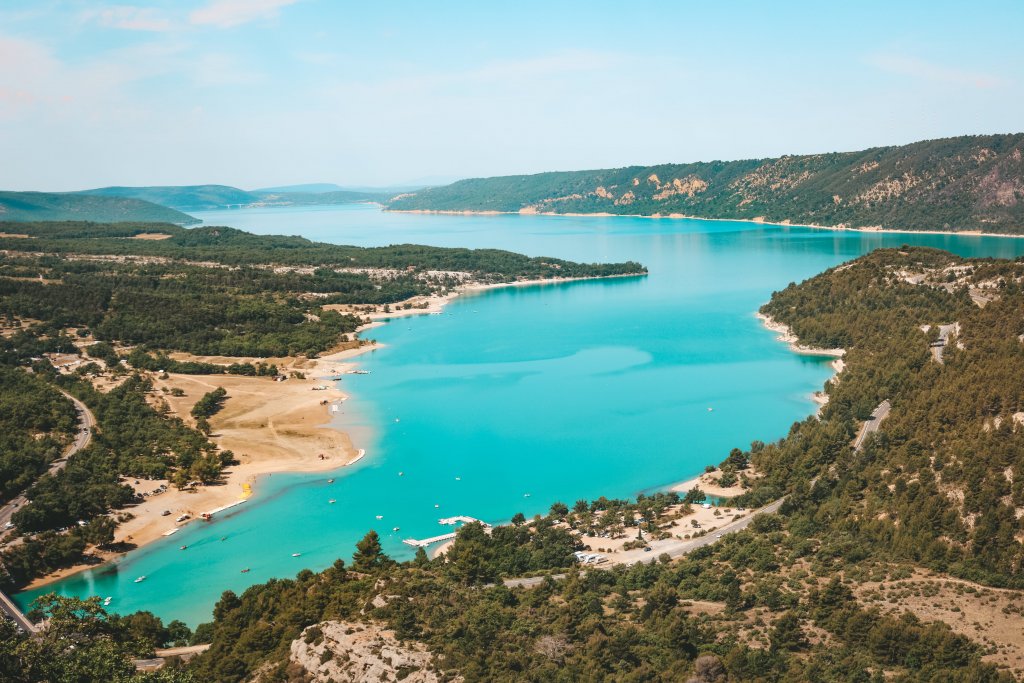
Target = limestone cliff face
(964,183)
(344,652)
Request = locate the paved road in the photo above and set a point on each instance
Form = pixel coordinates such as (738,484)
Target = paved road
(940,346)
(86,425)
(873,424)
(673,547)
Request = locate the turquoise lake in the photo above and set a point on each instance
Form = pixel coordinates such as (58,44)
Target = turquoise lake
(519,397)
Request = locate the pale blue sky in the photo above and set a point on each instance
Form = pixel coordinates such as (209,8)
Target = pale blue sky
(266,92)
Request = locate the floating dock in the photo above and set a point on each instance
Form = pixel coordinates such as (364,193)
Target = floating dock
(429,541)
(446,521)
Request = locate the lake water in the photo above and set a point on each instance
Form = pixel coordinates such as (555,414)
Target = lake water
(516,398)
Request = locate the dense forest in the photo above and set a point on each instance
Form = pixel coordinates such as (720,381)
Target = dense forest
(220,291)
(963,183)
(231,247)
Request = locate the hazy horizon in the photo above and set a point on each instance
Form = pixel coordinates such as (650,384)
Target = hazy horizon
(281,92)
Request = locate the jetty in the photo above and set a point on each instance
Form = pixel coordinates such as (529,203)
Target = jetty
(446,521)
(423,543)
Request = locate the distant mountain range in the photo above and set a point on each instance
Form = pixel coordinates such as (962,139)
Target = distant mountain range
(62,206)
(962,183)
(212,197)
(167,203)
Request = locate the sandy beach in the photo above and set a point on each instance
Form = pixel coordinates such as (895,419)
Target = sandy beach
(269,426)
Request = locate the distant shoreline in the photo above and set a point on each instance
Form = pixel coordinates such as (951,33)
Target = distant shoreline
(681,216)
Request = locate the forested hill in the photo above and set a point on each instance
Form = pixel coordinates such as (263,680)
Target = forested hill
(182,197)
(230,246)
(210,197)
(962,183)
(64,206)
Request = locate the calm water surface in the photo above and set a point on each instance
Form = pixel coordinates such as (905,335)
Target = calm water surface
(519,397)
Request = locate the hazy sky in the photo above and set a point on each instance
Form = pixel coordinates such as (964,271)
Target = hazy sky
(266,92)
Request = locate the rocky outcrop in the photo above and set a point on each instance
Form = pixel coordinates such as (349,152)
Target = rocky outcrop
(343,652)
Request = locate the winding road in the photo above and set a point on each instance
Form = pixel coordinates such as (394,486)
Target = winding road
(86,426)
(873,424)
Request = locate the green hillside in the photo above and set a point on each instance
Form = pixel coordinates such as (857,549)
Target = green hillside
(963,183)
(54,206)
(211,197)
(182,197)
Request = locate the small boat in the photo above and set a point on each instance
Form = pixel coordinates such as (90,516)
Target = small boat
(437,506)
(710,409)
(245,571)
(396,529)
(526,495)
(331,501)
(223,538)
(380,516)
(184,547)
(401,474)
(330,481)
(140,579)
(458,478)
(106,601)
(296,554)
(397,420)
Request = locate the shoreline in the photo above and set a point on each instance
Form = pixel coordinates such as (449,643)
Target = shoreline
(302,427)
(238,481)
(706,480)
(678,216)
